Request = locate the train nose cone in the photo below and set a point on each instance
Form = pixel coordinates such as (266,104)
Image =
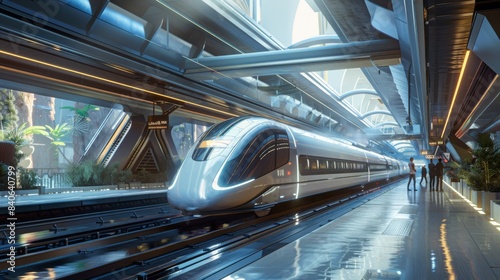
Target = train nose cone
(186,199)
(192,191)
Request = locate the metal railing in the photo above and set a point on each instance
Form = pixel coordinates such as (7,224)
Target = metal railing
(51,178)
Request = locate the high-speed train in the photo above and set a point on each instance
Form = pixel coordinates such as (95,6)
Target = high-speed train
(252,163)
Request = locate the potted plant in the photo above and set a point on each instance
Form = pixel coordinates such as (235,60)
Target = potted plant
(481,171)
(19,136)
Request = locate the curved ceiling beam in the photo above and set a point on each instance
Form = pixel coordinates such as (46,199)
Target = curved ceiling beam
(318,40)
(399,145)
(358,91)
(376,112)
(387,124)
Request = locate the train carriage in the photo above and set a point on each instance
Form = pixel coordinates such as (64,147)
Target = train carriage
(252,163)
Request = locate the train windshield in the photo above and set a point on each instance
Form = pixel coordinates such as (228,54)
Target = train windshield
(219,137)
(261,152)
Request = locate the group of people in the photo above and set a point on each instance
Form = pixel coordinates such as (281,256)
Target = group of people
(435,175)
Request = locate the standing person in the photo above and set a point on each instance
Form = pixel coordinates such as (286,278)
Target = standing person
(432,174)
(424,175)
(439,175)
(413,171)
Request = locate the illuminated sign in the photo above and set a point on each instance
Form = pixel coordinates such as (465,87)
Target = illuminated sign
(435,143)
(158,122)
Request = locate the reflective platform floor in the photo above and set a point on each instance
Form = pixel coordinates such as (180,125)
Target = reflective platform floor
(399,235)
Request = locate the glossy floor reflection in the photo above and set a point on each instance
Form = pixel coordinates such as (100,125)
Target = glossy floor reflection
(399,235)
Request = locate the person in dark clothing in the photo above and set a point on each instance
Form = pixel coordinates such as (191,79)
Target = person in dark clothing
(432,174)
(413,171)
(424,175)
(439,175)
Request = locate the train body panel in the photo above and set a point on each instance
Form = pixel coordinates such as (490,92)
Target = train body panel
(316,153)
(252,163)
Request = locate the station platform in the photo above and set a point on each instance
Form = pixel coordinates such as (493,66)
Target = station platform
(399,235)
(30,203)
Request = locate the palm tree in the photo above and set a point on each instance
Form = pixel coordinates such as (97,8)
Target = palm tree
(56,135)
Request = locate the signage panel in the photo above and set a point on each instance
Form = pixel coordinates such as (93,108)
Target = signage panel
(158,122)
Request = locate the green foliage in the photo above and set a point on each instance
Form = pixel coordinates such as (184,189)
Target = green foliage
(27,178)
(83,112)
(481,170)
(55,134)
(3,176)
(19,135)
(89,173)
(81,119)
(19,141)
(145,176)
(123,176)
(8,111)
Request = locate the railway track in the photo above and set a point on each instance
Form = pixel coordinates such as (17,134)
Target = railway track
(174,246)
(47,233)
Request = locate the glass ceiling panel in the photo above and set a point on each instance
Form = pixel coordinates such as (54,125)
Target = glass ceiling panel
(296,22)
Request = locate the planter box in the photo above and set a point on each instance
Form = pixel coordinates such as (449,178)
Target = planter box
(495,210)
(465,190)
(488,197)
(135,185)
(477,198)
(123,186)
(44,190)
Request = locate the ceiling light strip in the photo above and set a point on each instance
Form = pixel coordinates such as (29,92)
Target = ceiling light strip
(110,81)
(468,120)
(466,58)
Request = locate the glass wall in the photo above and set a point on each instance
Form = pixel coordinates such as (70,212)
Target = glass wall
(57,138)
(49,133)
(52,132)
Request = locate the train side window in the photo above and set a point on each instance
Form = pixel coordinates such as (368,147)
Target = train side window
(314,164)
(304,163)
(310,165)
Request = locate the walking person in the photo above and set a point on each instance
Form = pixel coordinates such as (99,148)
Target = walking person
(432,174)
(413,171)
(424,175)
(439,175)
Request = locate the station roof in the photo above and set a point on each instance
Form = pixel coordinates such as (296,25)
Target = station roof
(400,77)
